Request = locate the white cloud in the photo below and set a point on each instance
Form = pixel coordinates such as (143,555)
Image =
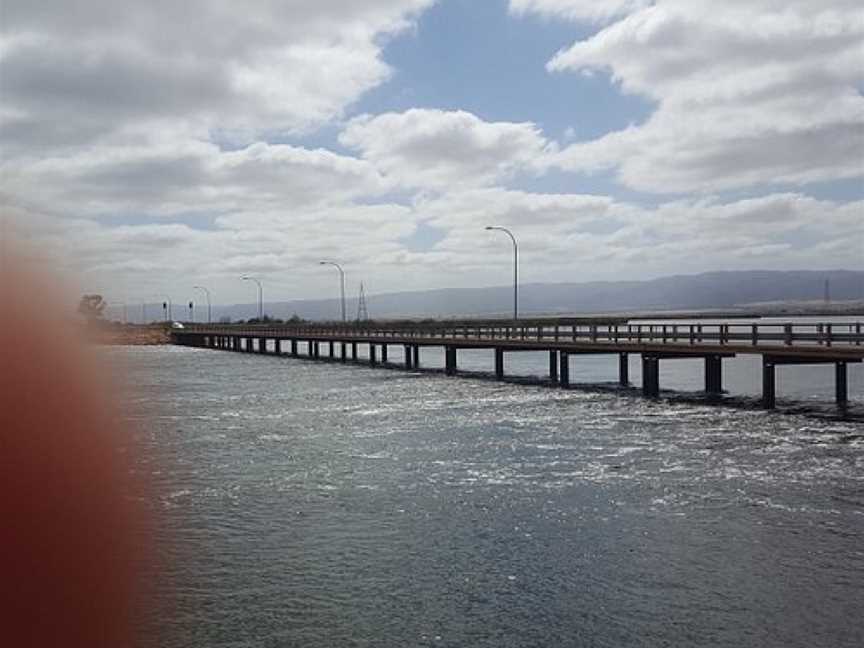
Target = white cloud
(113,115)
(74,71)
(748,93)
(445,149)
(183,176)
(577,10)
(562,237)
(582,237)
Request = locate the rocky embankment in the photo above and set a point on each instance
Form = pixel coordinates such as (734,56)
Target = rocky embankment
(118,334)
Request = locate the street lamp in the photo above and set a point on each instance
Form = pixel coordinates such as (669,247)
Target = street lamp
(260,295)
(342,284)
(206,292)
(166,308)
(515,268)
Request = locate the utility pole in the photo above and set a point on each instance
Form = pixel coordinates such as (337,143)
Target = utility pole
(362,311)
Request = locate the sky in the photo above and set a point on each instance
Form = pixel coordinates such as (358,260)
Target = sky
(149,147)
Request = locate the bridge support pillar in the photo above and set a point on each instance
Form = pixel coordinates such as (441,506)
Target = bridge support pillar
(713,374)
(262,345)
(499,363)
(278,349)
(769,397)
(416,361)
(373,360)
(383,354)
(310,348)
(354,351)
(841,388)
(650,376)
(553,366)
(294,348)
(343,356)
(332,349)
(409,356)
(623,369)
(564,369)
(450,360)
(316,345)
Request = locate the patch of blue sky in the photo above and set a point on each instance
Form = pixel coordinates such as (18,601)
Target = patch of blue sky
(474,56)
(598,183)
(204,221)
(842,191)
(424,238)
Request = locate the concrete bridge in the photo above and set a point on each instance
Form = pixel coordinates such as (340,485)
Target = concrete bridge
(837,343)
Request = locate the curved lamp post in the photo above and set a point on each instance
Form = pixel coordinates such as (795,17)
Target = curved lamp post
(515,268)
(206,292)
(342,284)
(260,295)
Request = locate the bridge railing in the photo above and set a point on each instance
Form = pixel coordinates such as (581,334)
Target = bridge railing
(820,334)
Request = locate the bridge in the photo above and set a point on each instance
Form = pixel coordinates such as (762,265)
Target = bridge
(836,343)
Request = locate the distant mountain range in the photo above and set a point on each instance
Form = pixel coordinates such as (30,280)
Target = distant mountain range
(708,291)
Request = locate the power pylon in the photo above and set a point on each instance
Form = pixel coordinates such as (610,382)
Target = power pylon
(362,311)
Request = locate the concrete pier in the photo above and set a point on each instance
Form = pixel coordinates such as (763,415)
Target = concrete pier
(623,369)
(553,366)
(769,395)
(564,369)
(713,374)
(650,376)
(841,384)
(450,360)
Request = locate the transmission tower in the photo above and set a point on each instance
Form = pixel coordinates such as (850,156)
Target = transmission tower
(362,311)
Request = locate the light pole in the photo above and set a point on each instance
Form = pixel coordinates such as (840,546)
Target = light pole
(342,282)
(260,296)
(209,311)
(166,308)
(515,268)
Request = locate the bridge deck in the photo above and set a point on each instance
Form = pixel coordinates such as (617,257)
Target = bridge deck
(838,343)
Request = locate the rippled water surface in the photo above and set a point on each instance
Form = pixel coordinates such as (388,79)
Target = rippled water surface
(313,504)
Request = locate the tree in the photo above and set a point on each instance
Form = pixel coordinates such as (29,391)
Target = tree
(91,307)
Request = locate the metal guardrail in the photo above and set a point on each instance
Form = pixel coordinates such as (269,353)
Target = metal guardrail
(789,334)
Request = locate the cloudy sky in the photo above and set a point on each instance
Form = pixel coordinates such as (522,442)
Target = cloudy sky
(152,146)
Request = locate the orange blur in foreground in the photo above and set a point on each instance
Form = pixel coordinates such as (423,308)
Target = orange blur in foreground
(71,535)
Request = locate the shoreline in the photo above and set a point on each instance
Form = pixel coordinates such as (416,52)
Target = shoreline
(127,335)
